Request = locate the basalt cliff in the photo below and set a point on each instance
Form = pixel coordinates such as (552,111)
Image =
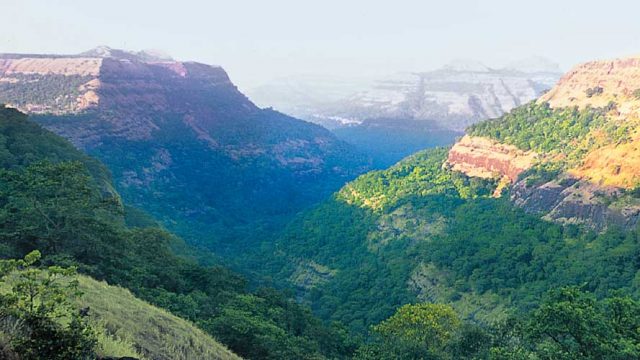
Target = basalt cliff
(392,117)
(454,96)
(181,140)
(574,154)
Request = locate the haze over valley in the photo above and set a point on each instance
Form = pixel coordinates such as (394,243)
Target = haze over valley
(390,118)
(296,181)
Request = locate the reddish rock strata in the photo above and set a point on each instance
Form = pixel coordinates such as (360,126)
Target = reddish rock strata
(482,157)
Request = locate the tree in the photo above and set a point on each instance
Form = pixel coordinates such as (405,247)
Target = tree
(40,301)
(569,324)
(415,331)
(55,207)
(572,324)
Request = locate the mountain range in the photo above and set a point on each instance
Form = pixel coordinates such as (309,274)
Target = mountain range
(417,109)
(519,240)
(180,140)
(454,96)
(543,196)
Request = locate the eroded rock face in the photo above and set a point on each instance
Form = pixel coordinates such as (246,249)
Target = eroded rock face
(596,83)
(572,201)
(455,96)
(486,158)
(594,192)
(180,139)
(124,89)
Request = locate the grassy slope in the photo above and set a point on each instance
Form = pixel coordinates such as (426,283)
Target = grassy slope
(133,327)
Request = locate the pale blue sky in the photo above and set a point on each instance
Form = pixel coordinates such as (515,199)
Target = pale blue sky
(258,40)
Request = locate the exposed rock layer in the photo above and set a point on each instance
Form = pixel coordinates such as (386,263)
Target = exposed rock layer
(571,201)
(181,140)
(454,96)
(486,158)
(593,192)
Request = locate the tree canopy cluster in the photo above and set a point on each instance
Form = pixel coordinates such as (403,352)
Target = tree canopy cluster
(51,202)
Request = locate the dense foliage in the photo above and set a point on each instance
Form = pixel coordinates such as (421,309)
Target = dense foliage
(567,131)
(369,233)
(474,267)
(232,177)
(46,325)
(418,231)
(569,324)
(53,204)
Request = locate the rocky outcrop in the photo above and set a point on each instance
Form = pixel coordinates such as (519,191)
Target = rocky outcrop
(566,199)
(593,191)
(105,78)
(596,83)
(455,96)
(571,201)
(486,158)
(181,140)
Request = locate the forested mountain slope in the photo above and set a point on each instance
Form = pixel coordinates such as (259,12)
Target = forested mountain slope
(181,141)
(582,141)
(53,200)
(459,226)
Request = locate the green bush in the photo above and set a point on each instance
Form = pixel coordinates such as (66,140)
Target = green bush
(42,300)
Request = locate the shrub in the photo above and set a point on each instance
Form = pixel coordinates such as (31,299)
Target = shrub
(594,91)
(51,328)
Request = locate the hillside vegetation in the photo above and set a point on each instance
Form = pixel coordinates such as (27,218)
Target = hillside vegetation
(564,136)
(128,326)
(50,201)
(420,232)
(531,264)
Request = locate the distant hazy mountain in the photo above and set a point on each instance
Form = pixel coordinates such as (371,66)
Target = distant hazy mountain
(415,110)
(454,96)
(544,196)
(181,140)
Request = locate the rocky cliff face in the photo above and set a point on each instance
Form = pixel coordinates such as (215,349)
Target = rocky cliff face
(421,109)
(180,139)
(572,201)
(126,92)
(454,96)
(486,158)
(566,199)
(595,188)
(596,83)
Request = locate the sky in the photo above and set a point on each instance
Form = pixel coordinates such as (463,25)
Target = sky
(259,40)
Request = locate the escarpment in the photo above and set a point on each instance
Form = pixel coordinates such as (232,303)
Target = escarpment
(573,156)
(596,83)
(486,158)
(123,93)
(181,140)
